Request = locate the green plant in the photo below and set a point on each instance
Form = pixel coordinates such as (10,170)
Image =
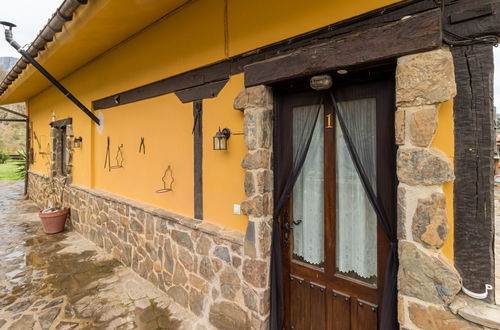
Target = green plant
(3,157)
(21,164)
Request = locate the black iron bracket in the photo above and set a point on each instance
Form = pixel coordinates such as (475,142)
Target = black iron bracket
(14,112)
(8,36)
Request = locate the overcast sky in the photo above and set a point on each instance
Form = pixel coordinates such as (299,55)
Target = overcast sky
(31,15)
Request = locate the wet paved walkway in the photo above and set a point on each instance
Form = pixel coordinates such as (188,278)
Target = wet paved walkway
(64,281)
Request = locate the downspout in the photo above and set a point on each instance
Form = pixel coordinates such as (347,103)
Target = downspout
(13,43)
(27,154)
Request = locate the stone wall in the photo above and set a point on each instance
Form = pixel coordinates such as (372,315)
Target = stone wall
(256,104)
(202,266)
(58,145)
(427,282)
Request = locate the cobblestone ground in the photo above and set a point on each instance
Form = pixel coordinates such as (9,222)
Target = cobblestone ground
(497,245)
(64,281)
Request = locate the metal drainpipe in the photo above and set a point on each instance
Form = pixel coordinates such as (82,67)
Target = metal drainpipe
(27,153)
(13,43)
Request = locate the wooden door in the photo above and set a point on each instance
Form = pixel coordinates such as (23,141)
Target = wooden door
(334,251)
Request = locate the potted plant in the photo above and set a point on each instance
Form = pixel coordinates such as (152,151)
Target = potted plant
(54,216)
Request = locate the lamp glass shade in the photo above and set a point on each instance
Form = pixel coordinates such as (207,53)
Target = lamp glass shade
(220,141)
(77,142)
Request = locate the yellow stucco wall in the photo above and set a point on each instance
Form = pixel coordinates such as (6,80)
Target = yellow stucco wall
(40,110)
(223,179)
(444,140)
(165,123)
(183,40)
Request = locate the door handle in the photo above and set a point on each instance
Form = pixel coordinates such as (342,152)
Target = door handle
(288,227)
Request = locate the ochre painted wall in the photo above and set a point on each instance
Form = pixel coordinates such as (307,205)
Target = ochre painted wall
(223,178)
(40,110)
(183,40)
(165,123)
(444,140)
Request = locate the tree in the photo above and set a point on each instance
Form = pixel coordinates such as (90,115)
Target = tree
(12,135)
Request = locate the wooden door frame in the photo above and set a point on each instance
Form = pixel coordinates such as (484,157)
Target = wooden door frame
(385,173)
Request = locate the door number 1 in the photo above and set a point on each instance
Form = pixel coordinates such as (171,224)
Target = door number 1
(329,121)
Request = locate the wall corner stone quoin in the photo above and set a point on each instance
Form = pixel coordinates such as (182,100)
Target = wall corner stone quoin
(257,105)
(423,81)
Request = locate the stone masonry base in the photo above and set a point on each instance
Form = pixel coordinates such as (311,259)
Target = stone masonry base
(203,267)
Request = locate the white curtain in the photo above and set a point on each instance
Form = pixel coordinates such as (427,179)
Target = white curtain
(308,236)
(356,222)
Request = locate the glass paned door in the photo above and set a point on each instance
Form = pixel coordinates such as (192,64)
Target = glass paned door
(356,221)
(334,252)
(308,192)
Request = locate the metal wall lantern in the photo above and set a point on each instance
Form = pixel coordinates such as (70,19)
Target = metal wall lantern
(77,142)
(220,139)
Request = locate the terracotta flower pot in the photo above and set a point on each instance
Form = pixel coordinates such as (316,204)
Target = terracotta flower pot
(53,222)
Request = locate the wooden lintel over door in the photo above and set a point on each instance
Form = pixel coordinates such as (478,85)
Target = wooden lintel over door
(413,34)
(334,251)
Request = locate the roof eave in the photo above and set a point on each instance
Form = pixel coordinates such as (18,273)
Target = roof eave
(62,15)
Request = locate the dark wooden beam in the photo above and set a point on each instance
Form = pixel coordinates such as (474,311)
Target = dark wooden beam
(13,120)
(186,80)
(473,18)
(471,14)
(62,123)
(206,91)
(466,18)
(474,168)
(414,34)
(236,64)
(198,158)
(365,21)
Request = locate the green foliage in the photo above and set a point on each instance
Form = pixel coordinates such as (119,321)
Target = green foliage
(13,169)
(3,157)
(20,164)
(12,135)
(8,171)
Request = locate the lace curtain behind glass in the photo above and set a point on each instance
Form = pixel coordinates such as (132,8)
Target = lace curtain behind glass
(308,235)
(356,221)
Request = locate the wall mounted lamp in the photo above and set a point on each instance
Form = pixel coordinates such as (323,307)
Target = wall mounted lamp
(77,142)
(321,82)
(220,139)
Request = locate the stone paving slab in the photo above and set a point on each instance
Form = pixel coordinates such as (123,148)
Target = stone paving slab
(64,281)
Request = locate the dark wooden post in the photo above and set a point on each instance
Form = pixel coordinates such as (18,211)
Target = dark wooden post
(474,167)
(198,158)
